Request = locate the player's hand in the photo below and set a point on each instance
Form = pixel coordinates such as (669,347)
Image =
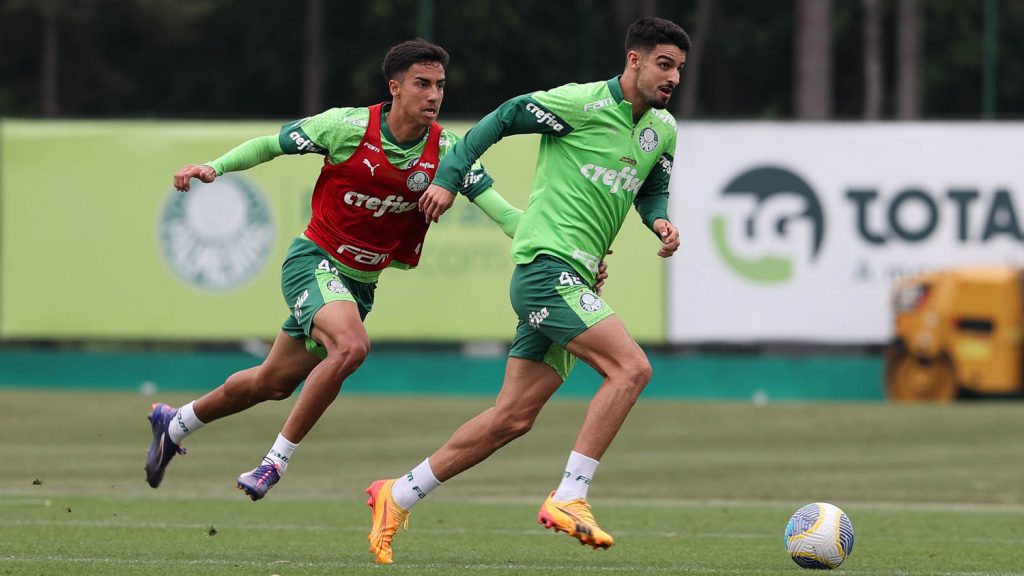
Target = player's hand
(669,235)
(435,202)
(602,275)
(183,178)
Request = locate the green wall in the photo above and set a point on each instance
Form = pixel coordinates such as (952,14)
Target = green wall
(84,212)
(443,371)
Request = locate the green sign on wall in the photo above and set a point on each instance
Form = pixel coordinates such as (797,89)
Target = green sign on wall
(96,244)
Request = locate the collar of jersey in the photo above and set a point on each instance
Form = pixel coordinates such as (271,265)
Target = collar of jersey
(385,131)
(615,87)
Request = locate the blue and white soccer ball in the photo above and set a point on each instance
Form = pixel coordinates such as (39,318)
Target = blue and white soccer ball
(819,535)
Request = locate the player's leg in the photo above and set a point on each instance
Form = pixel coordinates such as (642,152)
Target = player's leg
(551,295)
(276,378)
(608,348)
(527,387)
(285,367)
(339,329)
(534,371)
(328,307)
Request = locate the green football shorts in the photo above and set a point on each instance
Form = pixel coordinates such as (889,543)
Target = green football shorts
(310,278)
(554,306)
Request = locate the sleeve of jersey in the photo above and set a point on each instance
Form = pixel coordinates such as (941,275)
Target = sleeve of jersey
(525,114)
(246,155)
(652,199)
(323,133)
(498,209)
(476,180)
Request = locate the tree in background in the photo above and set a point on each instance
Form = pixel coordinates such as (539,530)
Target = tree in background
(701,30)
(873,49)
(315,63)
(812,90)
(270,59)
(908,60)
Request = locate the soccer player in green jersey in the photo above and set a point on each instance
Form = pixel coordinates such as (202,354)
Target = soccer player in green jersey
(377,162)
(605,146)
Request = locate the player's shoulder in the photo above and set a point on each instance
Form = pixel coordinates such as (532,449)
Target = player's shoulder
(448,138)
(666,117)
(575,91)
(353,115)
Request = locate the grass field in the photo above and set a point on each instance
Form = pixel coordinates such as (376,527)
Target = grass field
(688,488)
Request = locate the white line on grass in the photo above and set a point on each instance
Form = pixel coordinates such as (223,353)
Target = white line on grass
(275,527)
(417,567)
(1005,507)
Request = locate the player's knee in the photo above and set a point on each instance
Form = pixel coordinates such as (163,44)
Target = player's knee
(635,375)
(643,372)
(508,427)
(345,357)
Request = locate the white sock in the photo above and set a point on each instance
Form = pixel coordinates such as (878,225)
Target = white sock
(281,453)
(576,480)
(185,422)
(409,489)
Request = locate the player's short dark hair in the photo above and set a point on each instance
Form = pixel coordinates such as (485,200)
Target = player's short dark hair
(646,33)
(402,57)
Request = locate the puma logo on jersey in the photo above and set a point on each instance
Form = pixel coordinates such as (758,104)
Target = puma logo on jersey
(372,167)
(371,147)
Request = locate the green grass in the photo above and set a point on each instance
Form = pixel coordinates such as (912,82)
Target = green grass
(688,488)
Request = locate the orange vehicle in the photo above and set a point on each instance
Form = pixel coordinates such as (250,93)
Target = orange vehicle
(959,332)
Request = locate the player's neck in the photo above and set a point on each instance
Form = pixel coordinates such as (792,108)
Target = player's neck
(631,94)
(402,128)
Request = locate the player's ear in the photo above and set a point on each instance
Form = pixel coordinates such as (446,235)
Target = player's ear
(633,59)
(393,87)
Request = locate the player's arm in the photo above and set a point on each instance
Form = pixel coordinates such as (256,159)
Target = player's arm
(498,209)
(477,187)
(299,137)
(527,114)
(520,115)
(242,157)
(652,204)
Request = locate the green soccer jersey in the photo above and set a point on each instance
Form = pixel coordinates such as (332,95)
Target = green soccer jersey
(594,162)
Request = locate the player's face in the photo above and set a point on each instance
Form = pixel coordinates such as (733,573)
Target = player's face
(418,92)
(658,73)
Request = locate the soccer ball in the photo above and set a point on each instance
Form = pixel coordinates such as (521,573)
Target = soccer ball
(819,535)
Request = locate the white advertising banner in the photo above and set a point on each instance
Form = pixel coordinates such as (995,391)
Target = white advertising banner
(795,232)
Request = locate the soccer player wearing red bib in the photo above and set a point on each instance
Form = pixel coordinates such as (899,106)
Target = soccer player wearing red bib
(378,160)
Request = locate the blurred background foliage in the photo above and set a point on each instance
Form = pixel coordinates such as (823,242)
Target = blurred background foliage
(752,59)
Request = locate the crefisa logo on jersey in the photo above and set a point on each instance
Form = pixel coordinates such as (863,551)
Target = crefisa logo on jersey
(217,236)
(648,139)
(418,181)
